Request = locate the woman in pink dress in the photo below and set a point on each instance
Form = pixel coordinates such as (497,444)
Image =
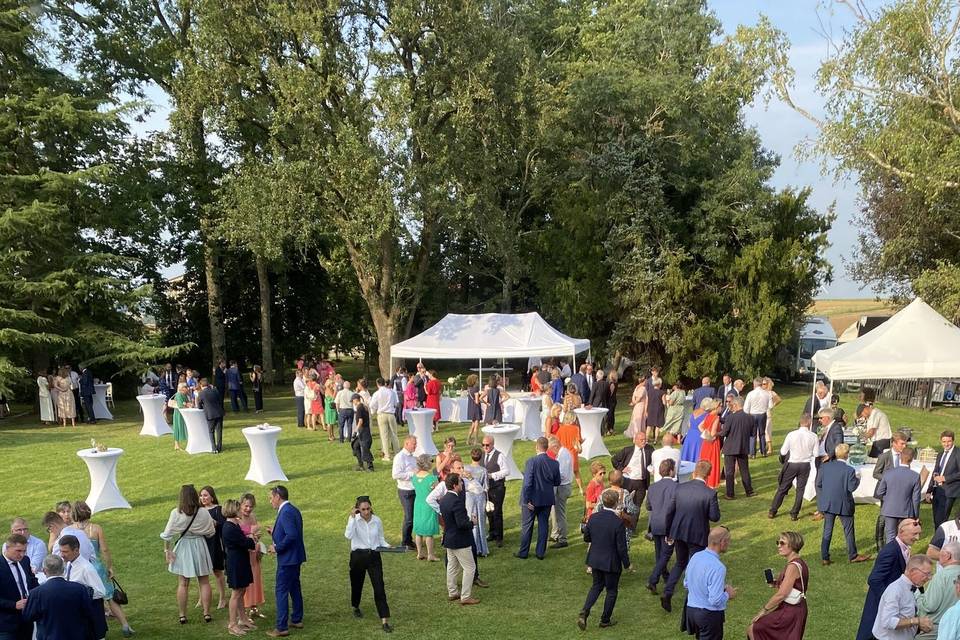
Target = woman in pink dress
(253,596)
(410,396)
(638,416)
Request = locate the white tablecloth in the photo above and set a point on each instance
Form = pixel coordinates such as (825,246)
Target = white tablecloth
(455,409)
(528,408)
(100,410)
(868,484)
(590,422)
(198,432)
(420,424)
(264,464)
(104,492)
(503,437)
(153,421)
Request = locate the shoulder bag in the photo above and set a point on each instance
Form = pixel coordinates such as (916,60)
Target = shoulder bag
(795,596)
(119,595)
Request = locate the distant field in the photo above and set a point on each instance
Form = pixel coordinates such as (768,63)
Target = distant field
(844,312)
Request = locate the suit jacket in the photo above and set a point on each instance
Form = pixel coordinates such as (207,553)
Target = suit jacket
(736,432)
(814,404)
(900,490)
(889,566)
(209,400)
(622,458)
(607,536)
(234,379)
(951,474)
(62,610)
(723,391)
(86,383)
(700,393)
(540,475)
(600,396)
(220,379)
(580,380)
(693,508)
(288,536)
(836,483)
(884,464)
(11,620)
(493,466)
(457,526)
(832,437)
(659,497)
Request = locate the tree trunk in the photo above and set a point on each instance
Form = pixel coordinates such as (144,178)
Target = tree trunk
(506,293)
(386,327)
(266,335)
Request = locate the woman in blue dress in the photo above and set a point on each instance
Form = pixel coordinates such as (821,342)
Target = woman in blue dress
(492,397)
(690,451)
(103,562)
(475,483)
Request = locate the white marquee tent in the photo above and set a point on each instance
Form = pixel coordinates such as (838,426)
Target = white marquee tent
(915,343)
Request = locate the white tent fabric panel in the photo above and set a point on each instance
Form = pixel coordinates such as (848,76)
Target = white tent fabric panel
(917,342)
(489,335)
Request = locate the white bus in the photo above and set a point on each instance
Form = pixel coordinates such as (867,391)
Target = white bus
(815,333)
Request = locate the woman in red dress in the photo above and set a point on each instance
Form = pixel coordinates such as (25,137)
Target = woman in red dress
(433,388)
(779,620)
(710,449)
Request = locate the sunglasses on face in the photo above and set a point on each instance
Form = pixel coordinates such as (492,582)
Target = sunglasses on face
(485,445)
(781,543)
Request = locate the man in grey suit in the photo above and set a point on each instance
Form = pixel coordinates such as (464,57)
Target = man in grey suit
(212,404)
(900,491)
(836,483)
(831,434)
(659,497)
(891,457)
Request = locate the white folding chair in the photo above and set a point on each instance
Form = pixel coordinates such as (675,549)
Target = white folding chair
(109,396)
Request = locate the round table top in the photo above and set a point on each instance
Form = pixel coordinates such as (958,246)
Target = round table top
(111,452)
(152,396)
(101,384)
(591,411)
(530,399)
(422,410)
(191,410)
(261,429)
(503,427)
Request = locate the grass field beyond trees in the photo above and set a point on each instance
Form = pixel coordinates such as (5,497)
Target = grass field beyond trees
(525,598)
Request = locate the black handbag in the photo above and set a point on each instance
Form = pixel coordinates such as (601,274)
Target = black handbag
(119,595)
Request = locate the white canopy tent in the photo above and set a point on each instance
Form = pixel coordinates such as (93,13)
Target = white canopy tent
(489,335)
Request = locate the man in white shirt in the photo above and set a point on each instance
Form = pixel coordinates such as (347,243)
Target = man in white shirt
(36,548)
(757,404)
(798,452)
(404,466)
(562,492)
(666,452)
(344,403)
(365,533)
(53,523)
(77,568)
(897,612)
(299,386)
(383,404)
(565,371)
(878,429)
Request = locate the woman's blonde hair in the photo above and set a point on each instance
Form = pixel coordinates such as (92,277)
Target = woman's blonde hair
(231,509)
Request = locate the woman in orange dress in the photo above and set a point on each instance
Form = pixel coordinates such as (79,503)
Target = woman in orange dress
(534,381)
(433,388)
(710,449)
(569,436)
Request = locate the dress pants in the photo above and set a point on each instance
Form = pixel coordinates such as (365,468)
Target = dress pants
(238,395)
(79,405)
(759,433)
(221,390)
(365,562)
(730,464)
(561,495)
(848,533)
(288,586)
(458,559)
(684,550)
(662,552)
(639,488)
(496,493)
(216,433)
(942,506)
(708,625)
(301,411)
(345,423)
(542,516)
(387,424)
(407,498)
(609,580)
(790,471)
(88,409)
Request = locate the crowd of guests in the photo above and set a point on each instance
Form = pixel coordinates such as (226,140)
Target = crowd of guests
(66,394)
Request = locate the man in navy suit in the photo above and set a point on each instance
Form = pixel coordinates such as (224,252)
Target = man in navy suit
(86,393)
(704,391)
(725,389)
(541,475)
(212,404)
(458,541)
(890,565)
(736,432)
(661,495)
(900,491)
(831,434)
(946,480)
(836,483)
(235,386)
(579,380)
(62,610)
(16,583)
(689,516)
(607,557)
(287,535)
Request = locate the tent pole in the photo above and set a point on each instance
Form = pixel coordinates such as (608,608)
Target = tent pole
(480,372)
(813,392)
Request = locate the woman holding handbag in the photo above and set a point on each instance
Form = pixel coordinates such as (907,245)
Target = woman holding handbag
(177,402)
(238,547)
(253,595)
(185,548)
(103,562)
(784,616)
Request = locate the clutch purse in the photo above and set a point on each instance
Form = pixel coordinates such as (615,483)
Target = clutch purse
(489,507)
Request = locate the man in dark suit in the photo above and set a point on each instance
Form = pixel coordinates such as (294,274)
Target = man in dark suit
(212,404)
(736,447)
(16,583)
(946,480)
(607,558)
(496,488)
(659,498)
(220,379)
(836,483)
(899,489)
(168,381)
(579,380)
(890,565)
(541,475)
(817,401)
(831,434)
(287,533)
(634,462)
(703,391)
(725,389)
(62,610)
(891,457)
(86,393)
(600,395)
(458,541)
(689,516)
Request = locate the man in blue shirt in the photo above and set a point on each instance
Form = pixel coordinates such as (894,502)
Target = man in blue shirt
(949,628)
(707,589)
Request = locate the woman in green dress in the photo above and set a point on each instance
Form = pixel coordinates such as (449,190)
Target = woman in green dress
(177,402)
(673,422)
(425,524)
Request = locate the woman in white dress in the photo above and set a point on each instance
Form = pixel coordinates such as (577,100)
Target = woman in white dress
(186,550)
(46,400)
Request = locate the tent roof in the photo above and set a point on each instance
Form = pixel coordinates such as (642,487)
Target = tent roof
(489,335)
(917,342)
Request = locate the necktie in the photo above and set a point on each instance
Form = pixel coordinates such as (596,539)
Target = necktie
(913,588)
(896,459)
(20,584)
(643,466)
(69,567)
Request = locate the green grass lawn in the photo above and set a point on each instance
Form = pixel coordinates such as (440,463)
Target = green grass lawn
(40,467)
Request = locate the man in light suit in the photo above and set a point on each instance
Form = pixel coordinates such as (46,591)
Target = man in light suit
(890,565)
(946,480)
(900,491)
(16,584)
(212,404)
(836,483)
(62,610)
(689,516)
(541,476)
(287,535)
(607,557)
(661,495)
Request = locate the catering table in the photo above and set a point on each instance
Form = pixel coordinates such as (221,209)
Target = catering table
(503,436)
(529,417)
(153,422)
(198,432)
(100,410)
(590,422)
(420,424)
(264,465)
(868,484)
(104,492)
(453,409)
